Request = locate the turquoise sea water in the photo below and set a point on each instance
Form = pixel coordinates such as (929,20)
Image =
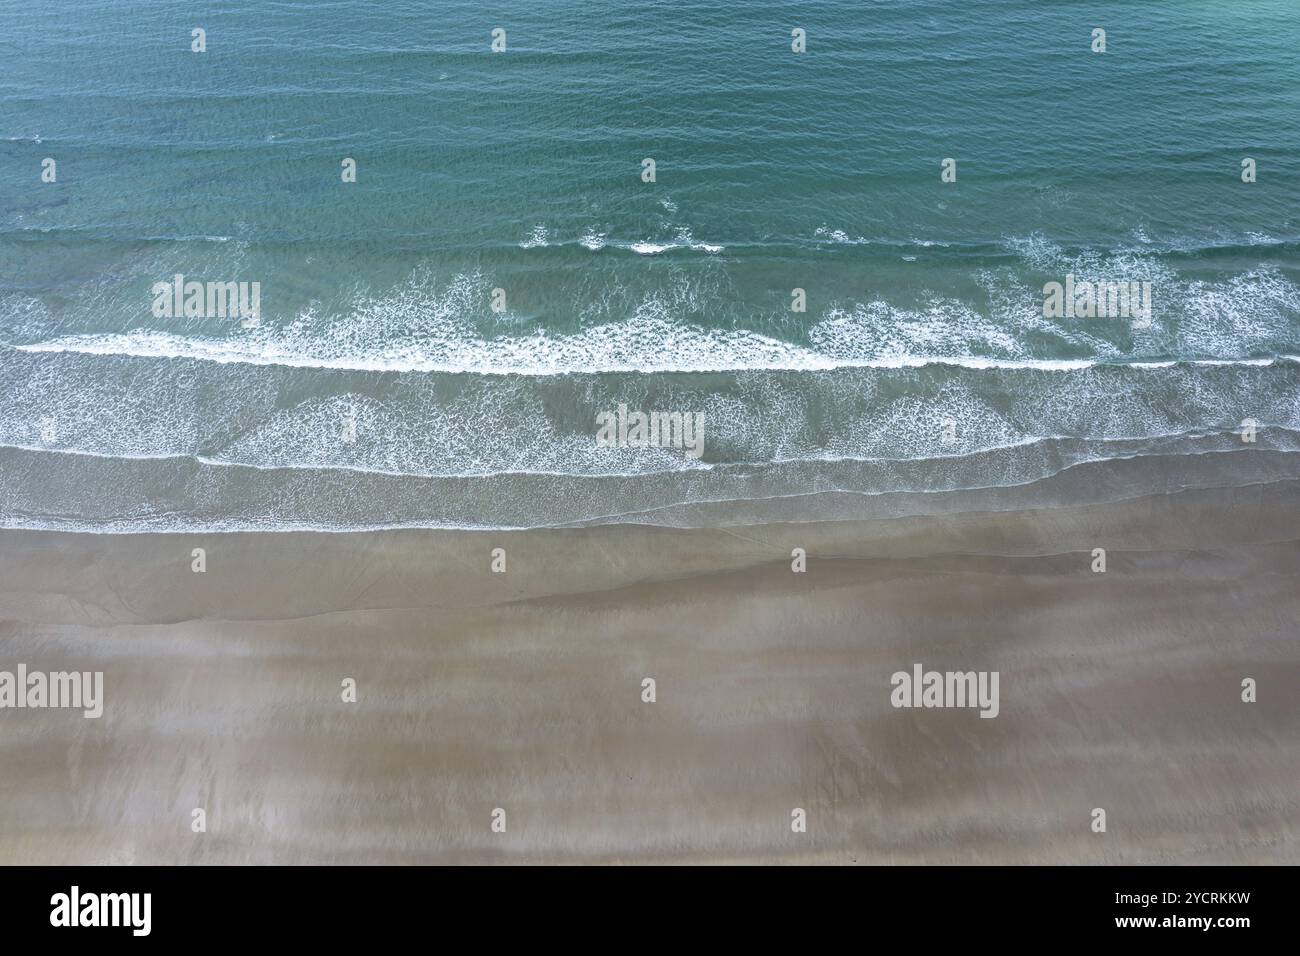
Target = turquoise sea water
(923,361)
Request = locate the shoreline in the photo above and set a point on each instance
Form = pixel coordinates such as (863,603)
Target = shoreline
(1035,475)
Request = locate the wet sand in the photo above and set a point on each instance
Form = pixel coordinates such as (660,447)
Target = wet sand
(523,691)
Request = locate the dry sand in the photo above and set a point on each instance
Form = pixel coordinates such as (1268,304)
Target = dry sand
(522,691)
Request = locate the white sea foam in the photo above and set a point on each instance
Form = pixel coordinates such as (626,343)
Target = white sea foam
(839,237)
(650,248)
(489,425)
(514,415)
(593,240)
(423,326)
(1262,239)
(633,346)
(539,237)
(683,239)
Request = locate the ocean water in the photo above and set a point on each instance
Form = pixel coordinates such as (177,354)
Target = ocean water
(382,388)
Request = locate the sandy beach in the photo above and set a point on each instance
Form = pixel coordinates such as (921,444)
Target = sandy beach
(522,691)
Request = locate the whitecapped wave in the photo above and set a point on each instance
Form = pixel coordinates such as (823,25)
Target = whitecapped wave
(650,345)
(422,326)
